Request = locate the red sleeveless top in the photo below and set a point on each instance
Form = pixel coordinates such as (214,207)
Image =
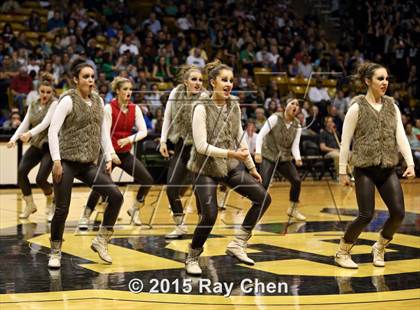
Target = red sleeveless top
(122,125)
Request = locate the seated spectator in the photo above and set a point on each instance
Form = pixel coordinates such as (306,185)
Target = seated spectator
(416,128)
(20,86)
(157,122)
(153,99)
(318,95)
(129,46)
(161,70)
(337,120)
(314,120)
(306,108)
(202,53)
(341,103)
(305,66)
(273,106)
(185,23)
(250,136)
(293,68)
(272,99)
(329,142)
(56,22)
(34,22)
(196,59)
(33,65)
(12,123)
(243,79)
(247,57)
(264,57)
(414,141)
(259,118)
(152,23)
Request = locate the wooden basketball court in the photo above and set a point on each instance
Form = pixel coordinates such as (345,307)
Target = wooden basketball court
(294,261)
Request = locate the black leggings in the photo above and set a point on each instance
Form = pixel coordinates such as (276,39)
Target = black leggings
(30,159)
(136,169)
(178,177)
(91,175)
(287,170)
(389,187)
(243,183)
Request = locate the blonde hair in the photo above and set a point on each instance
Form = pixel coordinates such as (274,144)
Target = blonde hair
(117,82)
(46,80)
(185,71)
(213,69)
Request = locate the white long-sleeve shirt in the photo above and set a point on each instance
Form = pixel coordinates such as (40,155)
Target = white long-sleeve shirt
(139,122)
(167,117)
(349,127)
(63,109)
(24,126)
(200,137)
(269,124)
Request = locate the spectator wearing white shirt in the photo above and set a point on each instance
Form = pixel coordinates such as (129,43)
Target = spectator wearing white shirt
(33,65)
(318,95)
(196,59)
(129,46)
(305,66)
(264,57)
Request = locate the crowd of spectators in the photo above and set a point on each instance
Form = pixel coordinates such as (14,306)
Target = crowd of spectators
(148,47)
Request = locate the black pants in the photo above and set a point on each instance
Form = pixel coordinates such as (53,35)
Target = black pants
(179,177)
(91,175)
(30,159)
(135,168)
(287,170)
(243,183)
(389,187)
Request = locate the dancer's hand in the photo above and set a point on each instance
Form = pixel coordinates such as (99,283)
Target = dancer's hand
(241,154)
(163,149)
(258,158)
(409,172)
(256,175)
(11,144)
(344,180)
(57,171)
(115,159)
(25,137)
(108,167)
(299,163)
(123,142)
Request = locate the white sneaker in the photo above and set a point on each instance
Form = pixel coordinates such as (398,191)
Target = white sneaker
(55,255)
(134,214)
(178,232)
(378,251)
(343,257)
(237,248)
(180,228)
(51,212)
(50,208)
(293,212)
(221,197)
(84,219)
(100,244)
(30,207)
(192,266)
